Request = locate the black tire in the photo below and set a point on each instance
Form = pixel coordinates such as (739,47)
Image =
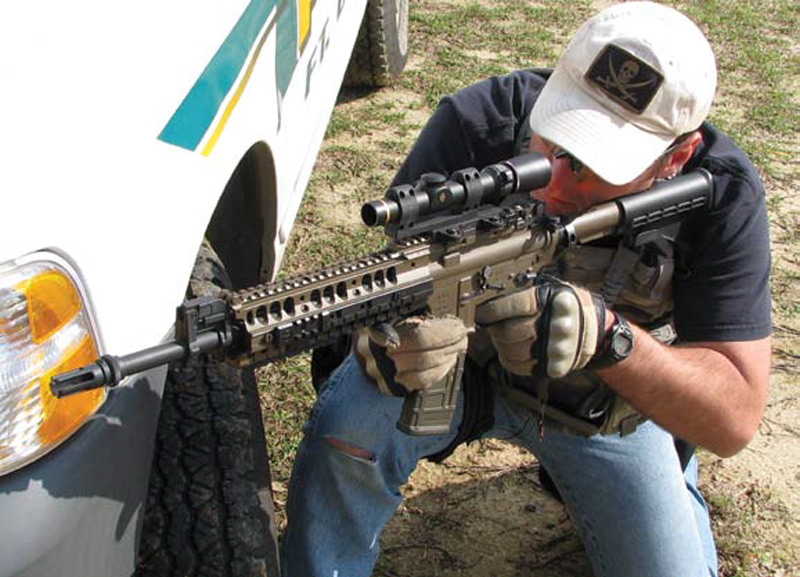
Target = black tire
(381,48)
(209,507)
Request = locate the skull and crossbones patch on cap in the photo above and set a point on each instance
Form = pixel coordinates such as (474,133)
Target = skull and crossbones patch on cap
(626,79)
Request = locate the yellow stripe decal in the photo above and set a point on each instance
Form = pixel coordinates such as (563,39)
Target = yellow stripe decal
(304,22)
(212,141)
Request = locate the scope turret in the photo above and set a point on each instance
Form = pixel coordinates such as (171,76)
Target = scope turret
(407,206)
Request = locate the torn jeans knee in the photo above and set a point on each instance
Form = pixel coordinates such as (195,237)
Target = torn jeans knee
(349,449)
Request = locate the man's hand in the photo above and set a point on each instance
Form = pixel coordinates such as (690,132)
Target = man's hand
(417,354)
(553,328)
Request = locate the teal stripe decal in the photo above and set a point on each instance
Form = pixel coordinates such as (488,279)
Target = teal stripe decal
(193,117)
(286,57)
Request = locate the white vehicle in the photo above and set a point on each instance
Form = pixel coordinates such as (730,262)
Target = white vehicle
(130,134)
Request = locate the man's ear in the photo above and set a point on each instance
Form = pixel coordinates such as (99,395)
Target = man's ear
(673,164)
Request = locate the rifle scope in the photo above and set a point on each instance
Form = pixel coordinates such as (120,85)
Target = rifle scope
(404,206)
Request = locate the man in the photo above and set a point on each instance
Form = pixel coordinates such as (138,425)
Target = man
(598,396)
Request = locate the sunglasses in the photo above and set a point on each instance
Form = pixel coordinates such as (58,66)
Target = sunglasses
(580,170)
(576,166)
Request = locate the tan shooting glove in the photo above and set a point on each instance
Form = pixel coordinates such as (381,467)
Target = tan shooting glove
(416,355)
(551,329)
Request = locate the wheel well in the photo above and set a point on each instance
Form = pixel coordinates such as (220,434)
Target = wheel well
(244,223)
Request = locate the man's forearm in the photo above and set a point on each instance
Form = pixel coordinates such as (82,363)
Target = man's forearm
(697,392)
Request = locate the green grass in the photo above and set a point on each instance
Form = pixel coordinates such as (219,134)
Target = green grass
(363,120)
(740,512)
(461,45)
(753,41)
(285,395)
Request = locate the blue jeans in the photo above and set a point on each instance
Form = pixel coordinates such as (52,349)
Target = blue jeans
(637,513)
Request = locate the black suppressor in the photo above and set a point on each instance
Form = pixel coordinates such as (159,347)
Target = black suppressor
(407,205)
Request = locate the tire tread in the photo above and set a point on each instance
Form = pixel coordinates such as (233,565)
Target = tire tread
(371,63)
(203,515)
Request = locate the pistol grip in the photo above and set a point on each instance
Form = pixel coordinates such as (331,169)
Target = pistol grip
(430,412)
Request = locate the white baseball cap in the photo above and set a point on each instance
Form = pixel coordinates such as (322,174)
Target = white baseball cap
(634,77)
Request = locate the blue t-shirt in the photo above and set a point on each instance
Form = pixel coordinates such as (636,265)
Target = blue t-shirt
(721,282)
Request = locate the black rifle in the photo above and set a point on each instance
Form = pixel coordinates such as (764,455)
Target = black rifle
(454,244)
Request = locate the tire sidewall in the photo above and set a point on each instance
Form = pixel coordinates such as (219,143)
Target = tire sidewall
(395,34)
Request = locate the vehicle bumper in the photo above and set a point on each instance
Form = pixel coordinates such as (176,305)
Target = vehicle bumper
(77,511)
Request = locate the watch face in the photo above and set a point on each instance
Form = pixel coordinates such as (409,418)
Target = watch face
(622,345)
(621,341)
(619,344)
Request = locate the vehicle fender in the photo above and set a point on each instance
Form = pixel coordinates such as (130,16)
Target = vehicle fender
(244,224)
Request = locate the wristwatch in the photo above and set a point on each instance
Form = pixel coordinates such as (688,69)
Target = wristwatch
(617,345)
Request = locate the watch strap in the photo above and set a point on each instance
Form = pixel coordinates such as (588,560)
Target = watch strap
(609,354)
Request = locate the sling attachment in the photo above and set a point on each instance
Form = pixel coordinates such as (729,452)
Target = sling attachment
(501,381)
(542,395)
